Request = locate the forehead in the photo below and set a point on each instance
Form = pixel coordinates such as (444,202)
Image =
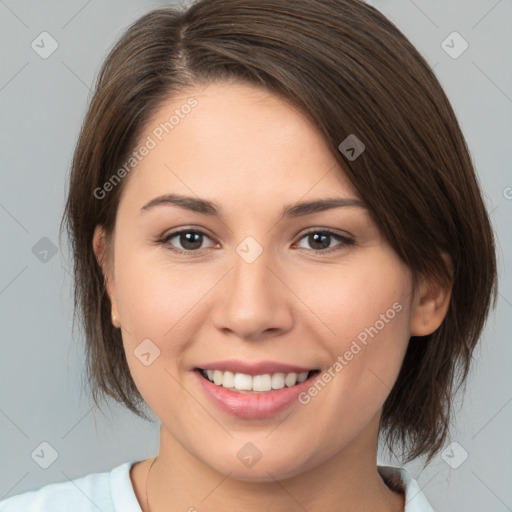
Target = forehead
(235,139)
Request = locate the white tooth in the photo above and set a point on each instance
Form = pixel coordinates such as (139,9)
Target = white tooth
(217,377)
(301,377)
(242,382)
(262,382)
(290,379)
(278,381)
(228,380)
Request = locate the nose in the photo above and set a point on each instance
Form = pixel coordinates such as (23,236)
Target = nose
(253,301)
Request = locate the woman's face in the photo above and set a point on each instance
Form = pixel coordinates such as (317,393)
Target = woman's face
(256,292)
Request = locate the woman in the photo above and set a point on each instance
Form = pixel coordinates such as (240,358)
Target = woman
(281,248)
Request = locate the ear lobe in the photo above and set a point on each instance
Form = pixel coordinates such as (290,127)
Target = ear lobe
(431,303)
(99,243)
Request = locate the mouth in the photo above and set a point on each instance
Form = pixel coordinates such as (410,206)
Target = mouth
(255,384)
(253,390)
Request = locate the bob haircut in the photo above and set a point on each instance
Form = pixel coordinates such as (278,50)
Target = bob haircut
(350,71)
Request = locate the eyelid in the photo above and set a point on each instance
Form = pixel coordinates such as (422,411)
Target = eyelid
(345,239)
(164,239)
(332,231)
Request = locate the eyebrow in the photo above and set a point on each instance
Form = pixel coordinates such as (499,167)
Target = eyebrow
(293,210)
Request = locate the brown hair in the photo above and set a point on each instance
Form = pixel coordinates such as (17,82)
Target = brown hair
(351,71)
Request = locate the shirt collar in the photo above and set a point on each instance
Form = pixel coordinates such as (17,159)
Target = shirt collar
(401,480)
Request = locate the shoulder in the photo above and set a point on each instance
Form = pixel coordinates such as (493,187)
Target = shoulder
(400,480)
(90,493)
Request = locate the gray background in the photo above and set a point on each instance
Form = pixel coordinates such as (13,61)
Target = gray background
(42,103)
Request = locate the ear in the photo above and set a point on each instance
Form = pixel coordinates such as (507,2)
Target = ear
(431,302)
(99,244)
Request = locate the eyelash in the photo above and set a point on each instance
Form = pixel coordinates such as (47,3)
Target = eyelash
(345,241)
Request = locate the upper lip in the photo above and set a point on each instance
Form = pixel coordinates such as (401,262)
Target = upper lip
(260,368)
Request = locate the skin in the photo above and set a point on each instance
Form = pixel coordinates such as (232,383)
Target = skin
(251,153)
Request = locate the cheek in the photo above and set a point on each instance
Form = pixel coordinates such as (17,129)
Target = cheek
(156,298)
(372,292)
(156,306)
(368,313)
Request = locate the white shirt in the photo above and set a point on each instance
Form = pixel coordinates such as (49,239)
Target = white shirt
(113,492)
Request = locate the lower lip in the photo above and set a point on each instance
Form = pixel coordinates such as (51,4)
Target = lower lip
(252,405)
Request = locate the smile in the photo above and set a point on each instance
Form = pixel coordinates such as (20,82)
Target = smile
(252,389)
(241,382)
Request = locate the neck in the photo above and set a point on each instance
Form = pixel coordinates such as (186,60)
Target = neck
(347,481)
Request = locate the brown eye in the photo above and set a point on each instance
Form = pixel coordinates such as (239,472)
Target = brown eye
(189,240)
(320,241)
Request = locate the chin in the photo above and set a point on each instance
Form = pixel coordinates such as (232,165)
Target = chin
(263,474)
(265,469)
